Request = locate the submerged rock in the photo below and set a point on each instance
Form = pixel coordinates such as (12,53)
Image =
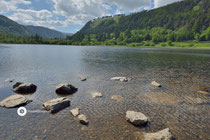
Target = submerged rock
(83,119)
(136,118)
(96,94)
(121,79)
(24,88)
(65,89)
(161,98)
(117,98)
(202,92)
(160,135)
(154,83)
(55,105)
(14,101)
(75,112)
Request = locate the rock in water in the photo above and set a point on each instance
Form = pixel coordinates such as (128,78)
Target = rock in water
(83,78)
(202,92)
(24,88)
(160,135)
(9,80)
(55,105)
(154,83)
(117,98)
(65,89)
(83,119)
(136,118)
(97,94)
(14,101)
(121,79)
(75,112)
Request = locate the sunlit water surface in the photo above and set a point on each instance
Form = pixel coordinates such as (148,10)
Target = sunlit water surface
(177,106)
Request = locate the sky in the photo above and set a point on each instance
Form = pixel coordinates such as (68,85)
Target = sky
(71,15)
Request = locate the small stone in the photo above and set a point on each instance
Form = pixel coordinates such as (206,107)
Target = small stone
(9,80)
(154,83)
(97,94)
(83,78)
(136,118)
(117,98)
(65,89)
(202,92)
(14,101)
(83,119)
(55,105)
(160,135)
(121,79)
(24,88)
(75,112)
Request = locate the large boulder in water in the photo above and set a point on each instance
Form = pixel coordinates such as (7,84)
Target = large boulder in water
(136,118)
(160,135)
(24,88)
(14,101)
(65,89)
(55,105)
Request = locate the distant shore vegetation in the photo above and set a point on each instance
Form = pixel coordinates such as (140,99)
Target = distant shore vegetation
(146,37)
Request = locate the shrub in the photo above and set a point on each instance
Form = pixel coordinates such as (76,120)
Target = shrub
(163,44)
(191,45)
(170,43)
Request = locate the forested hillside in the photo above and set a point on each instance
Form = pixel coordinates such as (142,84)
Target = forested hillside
(10,27)
(180,21)
(45,32)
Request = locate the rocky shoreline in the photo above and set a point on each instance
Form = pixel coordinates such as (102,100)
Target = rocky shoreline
(55,105)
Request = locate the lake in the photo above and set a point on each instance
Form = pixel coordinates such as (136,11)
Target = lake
(177,105)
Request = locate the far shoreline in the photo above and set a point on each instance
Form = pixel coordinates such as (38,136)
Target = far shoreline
(158,46)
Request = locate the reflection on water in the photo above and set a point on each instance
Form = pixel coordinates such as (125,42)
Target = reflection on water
(182,72)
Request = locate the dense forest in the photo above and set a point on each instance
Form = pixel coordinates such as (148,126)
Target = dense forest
(34,39)
(180,21)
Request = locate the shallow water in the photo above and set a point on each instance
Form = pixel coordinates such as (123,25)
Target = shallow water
(176,105)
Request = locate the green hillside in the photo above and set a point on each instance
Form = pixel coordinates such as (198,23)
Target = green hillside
(8,26)
(45,32)
(180,21)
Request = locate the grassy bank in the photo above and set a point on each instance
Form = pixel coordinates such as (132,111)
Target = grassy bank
(187,44)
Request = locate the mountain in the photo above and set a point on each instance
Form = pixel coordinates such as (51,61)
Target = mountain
(68,34)
(45,32)
(8,26)
(185,20)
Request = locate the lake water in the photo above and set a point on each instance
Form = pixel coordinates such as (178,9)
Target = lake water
(176,105)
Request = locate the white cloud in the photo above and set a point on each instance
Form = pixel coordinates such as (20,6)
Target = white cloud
(38,18)
(6,6)
(131,5)
(81,11)
(159,3)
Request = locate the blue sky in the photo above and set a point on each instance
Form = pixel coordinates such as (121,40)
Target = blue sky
(70,15)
